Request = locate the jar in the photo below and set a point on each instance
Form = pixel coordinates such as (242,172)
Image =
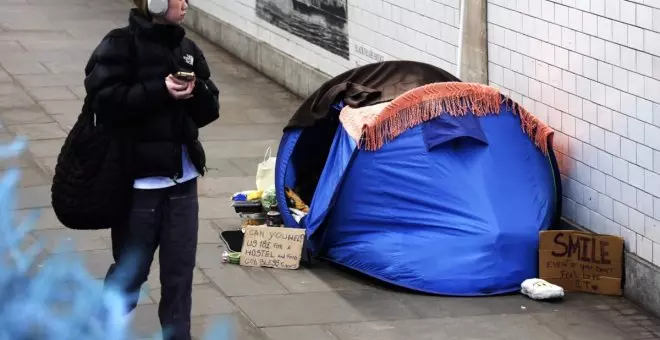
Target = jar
(253,219)
(273,217)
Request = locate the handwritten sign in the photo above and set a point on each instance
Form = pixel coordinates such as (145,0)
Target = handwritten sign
(272,247)
(579,261)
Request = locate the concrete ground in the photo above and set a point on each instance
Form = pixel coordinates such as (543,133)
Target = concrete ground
(44,45)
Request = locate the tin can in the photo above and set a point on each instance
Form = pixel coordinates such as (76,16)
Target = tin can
(273,219)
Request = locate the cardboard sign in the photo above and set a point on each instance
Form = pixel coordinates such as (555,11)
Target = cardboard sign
(272,247)
(579,261)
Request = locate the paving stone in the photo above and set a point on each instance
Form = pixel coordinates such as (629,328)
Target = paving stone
(59,107)
(293,309)
(233,118)
(225,187)
(70,65)
(10,46)
(236,132)
(26,35)
(208,233)
(66,240)
(144,298)
(206,301)
(87,33)
(494,327)
(33,177)
(442,307)
(34,197)
(29,243)
(59,45)
(318,278)
(17,67)
(265,116)
(227,224)
(47,164)
(4,76)
(38,131)
(222,167)
(52,93)
(45,218)
(377,305)
(209,256)
(235,325)
(48,80)
(45,148)
(235,280)
(36,24)
(144,320)
(25,116)
(215,208)
(580,325)
(247,166)
(240,149)
(13,96)
(79,91)
(98,262)
(298,332)
(153,282)
(20,162)
(66,121)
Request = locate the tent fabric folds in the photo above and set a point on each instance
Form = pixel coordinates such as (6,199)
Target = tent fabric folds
(444,189)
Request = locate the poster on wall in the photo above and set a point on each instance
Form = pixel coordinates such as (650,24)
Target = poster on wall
(321,22)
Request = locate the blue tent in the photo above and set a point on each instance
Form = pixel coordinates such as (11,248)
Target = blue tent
(452,205)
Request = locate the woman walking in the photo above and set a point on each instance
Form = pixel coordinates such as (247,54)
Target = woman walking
(150,82)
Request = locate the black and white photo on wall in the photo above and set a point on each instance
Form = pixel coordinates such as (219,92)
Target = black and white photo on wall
(321,22)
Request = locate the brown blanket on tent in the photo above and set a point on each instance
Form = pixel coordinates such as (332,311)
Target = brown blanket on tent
(373,126)
(367,85)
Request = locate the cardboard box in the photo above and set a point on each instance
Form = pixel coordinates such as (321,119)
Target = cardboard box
(272,247)
(579,261)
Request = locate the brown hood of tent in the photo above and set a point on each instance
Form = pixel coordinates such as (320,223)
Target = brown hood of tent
(367,85)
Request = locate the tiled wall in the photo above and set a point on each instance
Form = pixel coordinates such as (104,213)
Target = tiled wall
(423,30)
(591,69)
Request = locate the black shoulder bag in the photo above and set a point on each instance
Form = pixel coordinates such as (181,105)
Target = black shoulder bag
(93,180)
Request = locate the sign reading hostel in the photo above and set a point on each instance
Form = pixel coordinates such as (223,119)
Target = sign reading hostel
(579,261)
(272,247)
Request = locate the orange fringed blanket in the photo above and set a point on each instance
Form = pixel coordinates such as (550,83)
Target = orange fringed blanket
(375,125)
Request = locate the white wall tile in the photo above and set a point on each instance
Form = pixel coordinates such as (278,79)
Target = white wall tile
(636,37)
(591,69)
(628,12)
(644,248)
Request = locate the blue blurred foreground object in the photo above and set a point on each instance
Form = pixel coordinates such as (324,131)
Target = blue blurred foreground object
(55,298)
(442,189)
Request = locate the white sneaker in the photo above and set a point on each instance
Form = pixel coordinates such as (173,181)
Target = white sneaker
(539,289)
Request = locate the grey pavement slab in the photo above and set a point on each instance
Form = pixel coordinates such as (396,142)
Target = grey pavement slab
(208,232)
(28,115)
(318,278)
(494,327)
(315,332)
(298,309)
(41,92)
(240,327)
(244,281)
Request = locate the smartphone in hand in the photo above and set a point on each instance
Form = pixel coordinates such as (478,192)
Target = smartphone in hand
(185,76)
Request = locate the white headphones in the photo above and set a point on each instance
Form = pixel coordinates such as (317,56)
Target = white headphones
(158,7)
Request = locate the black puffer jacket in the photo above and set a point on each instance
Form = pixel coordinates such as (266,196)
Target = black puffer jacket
(126,78)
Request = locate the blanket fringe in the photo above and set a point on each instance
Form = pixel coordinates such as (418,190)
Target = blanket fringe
(455,98)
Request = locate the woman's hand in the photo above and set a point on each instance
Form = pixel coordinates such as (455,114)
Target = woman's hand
(179,89)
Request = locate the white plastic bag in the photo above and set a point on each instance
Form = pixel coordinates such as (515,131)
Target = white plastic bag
(266,172)
(539,289)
